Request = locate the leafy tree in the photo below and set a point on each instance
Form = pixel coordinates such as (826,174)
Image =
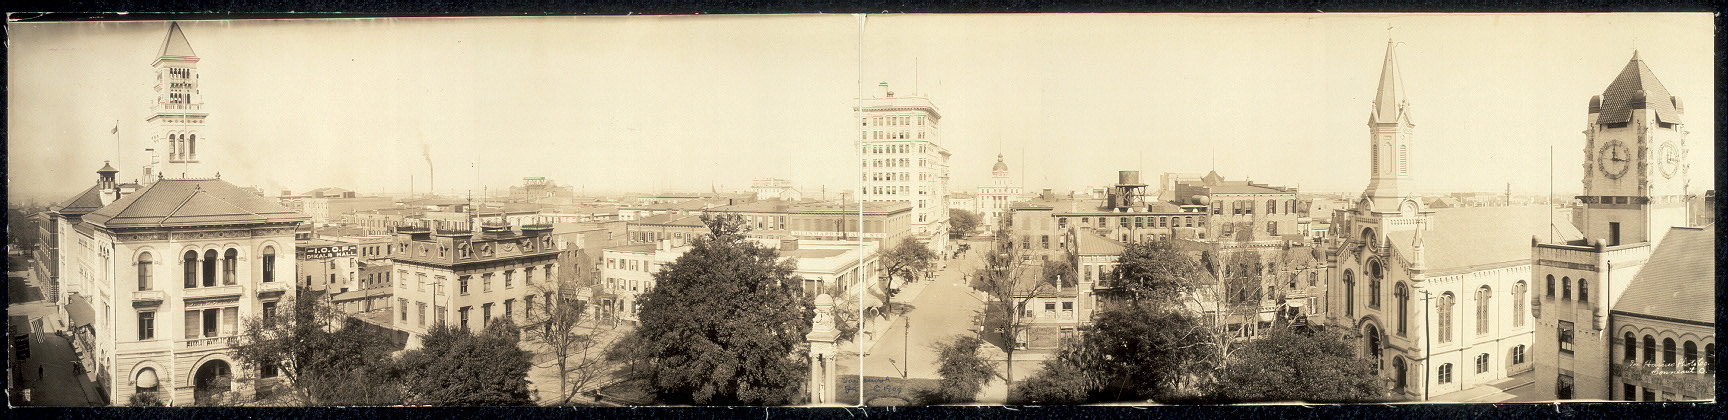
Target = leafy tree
(907,260)
(1156,272)
(962,222)
(323,357)
(457,367)
(146,399)
(725,324)
(963,370)
(1311,365)
(1073,376)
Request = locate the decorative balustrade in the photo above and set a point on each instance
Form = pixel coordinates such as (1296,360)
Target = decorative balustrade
(213,292)
(204,342)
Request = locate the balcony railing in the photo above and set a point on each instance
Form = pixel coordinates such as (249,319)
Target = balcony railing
(204,342)
(213,292)
(179,107)
(147,297)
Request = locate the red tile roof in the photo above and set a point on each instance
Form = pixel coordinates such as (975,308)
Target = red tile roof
(1679,279)
(191,202)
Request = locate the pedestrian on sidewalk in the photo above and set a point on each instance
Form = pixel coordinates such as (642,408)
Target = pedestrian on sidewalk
(38,371)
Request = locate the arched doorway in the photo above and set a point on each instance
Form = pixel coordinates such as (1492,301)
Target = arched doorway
(1399,375)
(212,379)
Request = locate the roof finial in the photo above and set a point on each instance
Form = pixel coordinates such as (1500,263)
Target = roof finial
(1388,32)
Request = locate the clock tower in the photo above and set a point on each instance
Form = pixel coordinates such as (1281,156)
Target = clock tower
(1635,172)
(178,143)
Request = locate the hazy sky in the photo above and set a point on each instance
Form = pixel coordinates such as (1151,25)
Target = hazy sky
(681,103)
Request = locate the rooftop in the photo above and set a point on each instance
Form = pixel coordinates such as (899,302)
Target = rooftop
(191,202)
(1467,237)
(1637,88)
(1679,279)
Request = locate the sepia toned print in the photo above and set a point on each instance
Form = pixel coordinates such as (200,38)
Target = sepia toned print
(862,210)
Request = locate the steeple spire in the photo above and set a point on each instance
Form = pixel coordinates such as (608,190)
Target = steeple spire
(1389,101)
(175,45)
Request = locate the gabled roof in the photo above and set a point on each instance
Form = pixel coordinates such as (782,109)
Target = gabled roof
(1679,279)
(1623,95)
(175,44)
(1469,237)
(85,202)
(189,202)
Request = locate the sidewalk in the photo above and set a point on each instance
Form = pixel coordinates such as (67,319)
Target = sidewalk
(1504,390)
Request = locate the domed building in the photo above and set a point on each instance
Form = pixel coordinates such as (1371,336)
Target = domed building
(994,200)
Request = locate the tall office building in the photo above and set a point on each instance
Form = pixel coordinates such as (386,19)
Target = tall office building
(904,160)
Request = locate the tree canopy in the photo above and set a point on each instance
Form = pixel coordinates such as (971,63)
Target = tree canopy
(325,358)
(725,324)
(456,367)
(962,222)
(1157,272)
(963,369)
(1287,364)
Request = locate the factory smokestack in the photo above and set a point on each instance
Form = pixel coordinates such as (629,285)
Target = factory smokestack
(431,178)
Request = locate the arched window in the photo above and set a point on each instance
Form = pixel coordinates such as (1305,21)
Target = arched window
(230,262)
(1710,358)
(1313,278)
(1402,293)
(1583,290)
(1565,288)
(1374,284)
(1444,312)
(1518,354)
(1520,293)
(192,147)
(1649,350)
(1668,351)
(209,268)
(144,271)
(1691,357)
(1373,336)
(1550,286)
(1445,374)
(1482,363)
(189,266)
(269,264)
(1349,294)
(1630,347)
(1483,296)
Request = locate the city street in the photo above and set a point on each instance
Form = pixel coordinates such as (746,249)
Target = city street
(944,309)
(48,371)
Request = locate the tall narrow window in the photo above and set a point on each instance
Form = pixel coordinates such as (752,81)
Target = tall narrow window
(1520,293)
(1444,312)
(1349,295)
(269,264)
(1550,291)
(230,263)
(1564,336)
(1445,374)
(144,270)
(1483,296)
(1565,288)
(1668,352)
(1629,347)
(210,268)
(1374,275)
(189,268)
(1402,293)
(1649,350)
(1691,357)
(147,326)
(192,147)
(1583,290)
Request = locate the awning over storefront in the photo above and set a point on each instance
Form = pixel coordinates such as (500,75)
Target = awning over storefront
(78,309)
(1268,316)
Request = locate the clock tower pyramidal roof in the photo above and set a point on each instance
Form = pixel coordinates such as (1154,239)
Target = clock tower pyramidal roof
(175,45)
(1636,88)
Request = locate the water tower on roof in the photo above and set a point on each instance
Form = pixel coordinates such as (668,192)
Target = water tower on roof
(1128,193)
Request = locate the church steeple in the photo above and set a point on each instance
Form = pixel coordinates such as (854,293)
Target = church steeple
(1390,131)
(1390,104)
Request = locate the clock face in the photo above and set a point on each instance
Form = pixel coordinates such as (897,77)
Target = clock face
(1614,159)
(1669,159)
